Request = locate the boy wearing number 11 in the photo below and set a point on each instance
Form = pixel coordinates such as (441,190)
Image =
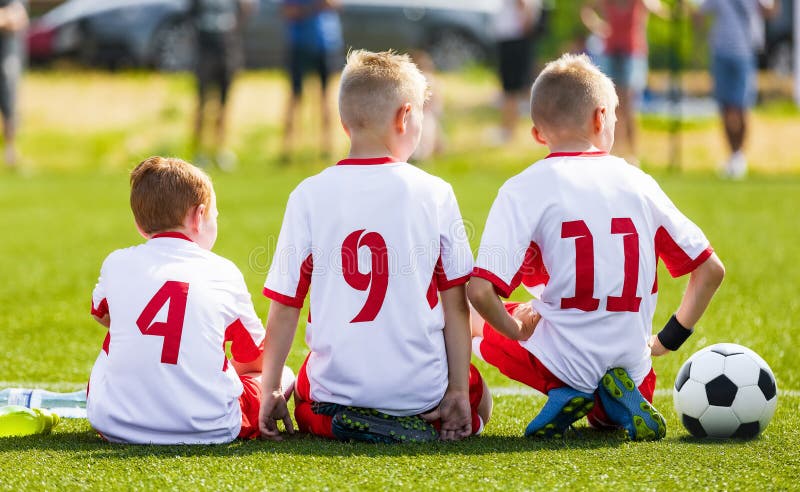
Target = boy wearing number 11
(382,246)
(583,231)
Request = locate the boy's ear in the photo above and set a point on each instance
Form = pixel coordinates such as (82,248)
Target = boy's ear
(401,118)
(345,127)
(537,135)
(197,217)
(599,119)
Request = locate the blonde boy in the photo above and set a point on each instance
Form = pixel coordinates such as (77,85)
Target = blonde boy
(583,231)
(170,306)
(379,242)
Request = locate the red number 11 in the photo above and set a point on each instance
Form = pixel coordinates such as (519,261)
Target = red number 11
(584,267)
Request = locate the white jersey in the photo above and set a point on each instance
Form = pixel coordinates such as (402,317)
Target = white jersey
(162,376)
(583,232)
(375,240)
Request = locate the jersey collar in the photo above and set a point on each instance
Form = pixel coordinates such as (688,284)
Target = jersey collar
(595,153)
(172,234)
(372,161)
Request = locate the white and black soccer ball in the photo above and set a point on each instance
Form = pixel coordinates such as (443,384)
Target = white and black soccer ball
(725,390)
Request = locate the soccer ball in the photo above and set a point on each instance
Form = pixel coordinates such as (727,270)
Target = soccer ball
(725,390)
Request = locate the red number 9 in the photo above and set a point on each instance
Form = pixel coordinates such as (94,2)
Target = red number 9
(376,280)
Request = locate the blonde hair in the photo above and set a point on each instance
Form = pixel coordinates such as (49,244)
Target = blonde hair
(375,85)
(164,189)
(567,92)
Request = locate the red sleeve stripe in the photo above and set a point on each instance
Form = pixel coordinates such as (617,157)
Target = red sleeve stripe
(101,310)
(302,287)
(106,344)
(243,347)
(449,284)
(501,287)
(677,261)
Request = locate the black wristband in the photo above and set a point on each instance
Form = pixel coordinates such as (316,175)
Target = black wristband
(674,334)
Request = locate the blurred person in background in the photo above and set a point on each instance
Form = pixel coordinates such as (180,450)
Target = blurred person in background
(218,25)
(13,21)
(431,140)
(737,33)
(622,26)
(314,42)
(514,26)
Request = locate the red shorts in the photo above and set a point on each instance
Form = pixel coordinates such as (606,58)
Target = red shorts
(513,360)
(250,403)
(320,425)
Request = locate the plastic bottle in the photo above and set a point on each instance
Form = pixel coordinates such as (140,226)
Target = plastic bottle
(37,398)
(16,420)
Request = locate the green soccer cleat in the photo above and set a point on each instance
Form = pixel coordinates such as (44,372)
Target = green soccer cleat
(564,406)
(625,405)
(369,425)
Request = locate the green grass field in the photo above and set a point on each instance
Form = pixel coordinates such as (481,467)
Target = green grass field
(69,209)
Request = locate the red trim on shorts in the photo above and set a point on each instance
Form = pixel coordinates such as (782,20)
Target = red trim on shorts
(595,153)
(513,360)
(101,310)
(366,162)
(173,235)
(676,260)
(302,287)
(250,403)
(308,421)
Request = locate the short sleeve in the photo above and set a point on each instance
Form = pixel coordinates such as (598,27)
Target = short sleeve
(99,301)
(455,260)
(679,242)
(246,332)
(289,275)
(507,254)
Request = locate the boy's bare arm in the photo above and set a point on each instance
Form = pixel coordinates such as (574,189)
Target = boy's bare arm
(703,283)
(485,300)
(281,327)
(454,410)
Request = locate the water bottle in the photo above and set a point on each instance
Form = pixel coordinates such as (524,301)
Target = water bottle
(16,420)
(37,398)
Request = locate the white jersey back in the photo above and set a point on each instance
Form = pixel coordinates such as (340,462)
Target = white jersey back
(367,235)
(583,232)
(162,376)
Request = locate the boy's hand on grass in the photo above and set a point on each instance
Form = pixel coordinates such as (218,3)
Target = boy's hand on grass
(656,347)
(527,318)
(455,416)
(273,410)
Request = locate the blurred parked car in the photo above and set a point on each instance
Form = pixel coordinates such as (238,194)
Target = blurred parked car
(155,33)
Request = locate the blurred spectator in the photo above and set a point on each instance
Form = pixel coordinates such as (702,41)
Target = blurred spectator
(431,141)
(13,21)
(737,33)
(622,25)
(314,41)
(218,25)
(514,24)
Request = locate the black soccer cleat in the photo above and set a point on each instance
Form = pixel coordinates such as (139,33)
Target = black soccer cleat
(369,425)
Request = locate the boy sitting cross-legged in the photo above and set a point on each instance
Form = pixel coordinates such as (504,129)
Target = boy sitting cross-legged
(379,242)
(170,306)
(583,231)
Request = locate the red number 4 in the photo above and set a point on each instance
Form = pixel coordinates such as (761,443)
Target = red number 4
(584,267)
(175,293)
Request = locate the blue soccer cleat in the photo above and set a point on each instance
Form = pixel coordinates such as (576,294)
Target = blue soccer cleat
(368,425)
(625,405)
(564,406)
